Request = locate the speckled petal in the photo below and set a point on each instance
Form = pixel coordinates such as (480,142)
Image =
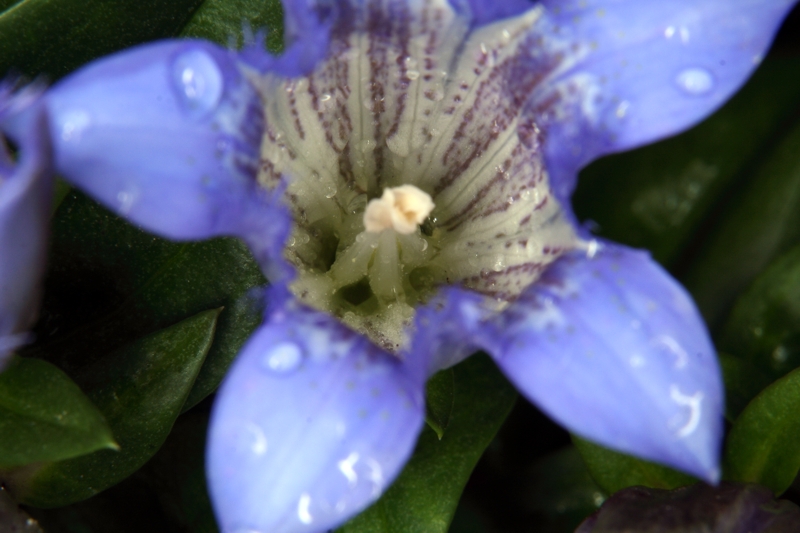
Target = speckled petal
(633,71)
(612,348)
(25,197)
(166,134)
(310,426)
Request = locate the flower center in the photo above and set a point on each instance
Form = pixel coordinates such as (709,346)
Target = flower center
(411,165)
(401,209)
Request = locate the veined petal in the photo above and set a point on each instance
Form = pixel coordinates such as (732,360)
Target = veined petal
(25,197)
(634,71)
(613,348)
(311,424)
(166,134)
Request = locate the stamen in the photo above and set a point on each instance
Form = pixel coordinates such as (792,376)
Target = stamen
(400,208)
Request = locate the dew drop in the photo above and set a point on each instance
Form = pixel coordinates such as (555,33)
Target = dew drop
(412,74)
(695,81)
(284,357)
(126,200)
(198,81)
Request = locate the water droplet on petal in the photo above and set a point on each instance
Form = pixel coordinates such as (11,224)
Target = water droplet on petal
(303,509)
(695,81)
(198,81)
(126,200)
(284,357)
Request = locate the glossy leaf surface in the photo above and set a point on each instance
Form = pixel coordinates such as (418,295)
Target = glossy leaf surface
(44,416)
(764,326)
(439,400)
(762,445)
(223,21)
(110,283)
(140,389)
(80,30)
(615,471)
(759,223)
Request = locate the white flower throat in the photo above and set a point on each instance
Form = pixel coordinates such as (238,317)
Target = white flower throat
(410,166)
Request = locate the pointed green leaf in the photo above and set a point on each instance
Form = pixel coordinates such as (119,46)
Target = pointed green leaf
(439,399)
(764,326)
(762,445)
(44,416)
(140,389)
(614,471)
(657,196)
(761,222)
(110,283)
(425,495)
(53,38)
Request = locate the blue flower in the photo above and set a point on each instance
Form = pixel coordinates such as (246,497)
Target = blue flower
(403,174)
(25,194)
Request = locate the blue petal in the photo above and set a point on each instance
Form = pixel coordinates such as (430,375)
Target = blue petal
(166,134)
(482,12)
(614,349)
(311,424)
(446,330)
(633,71)
(25,197)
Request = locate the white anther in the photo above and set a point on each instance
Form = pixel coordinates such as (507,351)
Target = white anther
(400,208)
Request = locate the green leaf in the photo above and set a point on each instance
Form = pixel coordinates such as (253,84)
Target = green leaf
(140,389)
(44,416)
(764,326)
(110,283)
(761,222)
(562,492)
(439,400)
(177,475)
(743,382)
(53,38)
(656,197)
(614,471)
(762,445)
(221,21)
(425,496)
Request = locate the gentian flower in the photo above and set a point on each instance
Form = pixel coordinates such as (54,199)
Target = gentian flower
(403,174)
(25,195)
